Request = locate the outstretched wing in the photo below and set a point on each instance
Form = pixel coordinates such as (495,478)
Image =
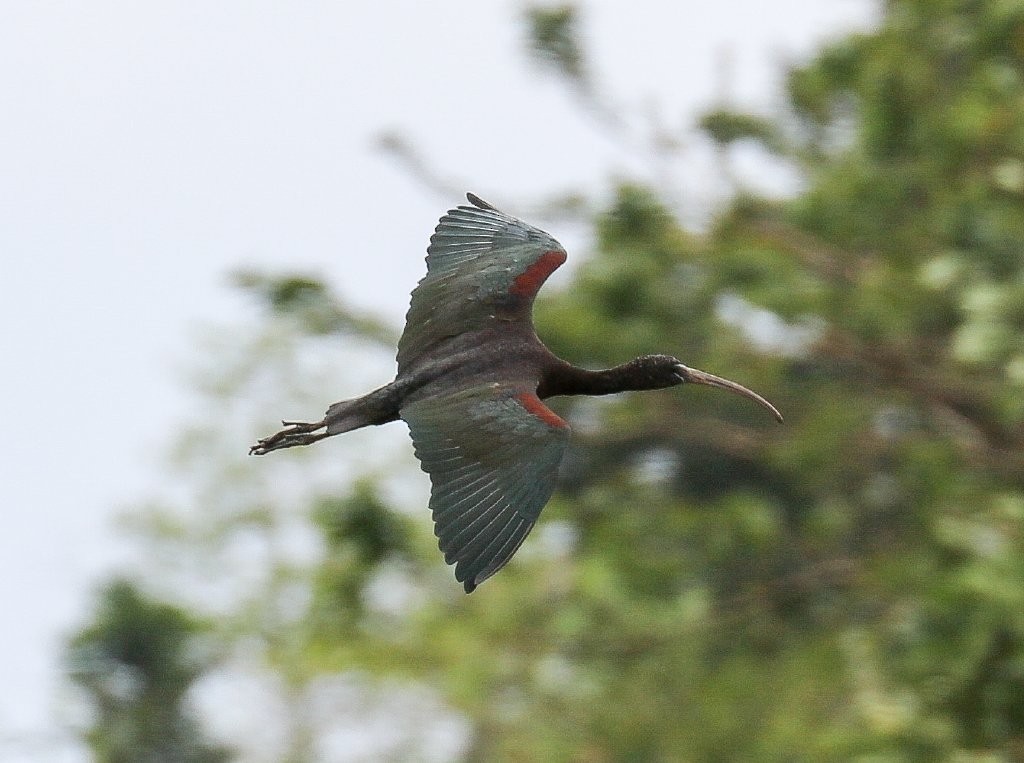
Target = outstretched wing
(481,264)
(492,452)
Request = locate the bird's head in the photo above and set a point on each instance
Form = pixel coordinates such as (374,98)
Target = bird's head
(659,371)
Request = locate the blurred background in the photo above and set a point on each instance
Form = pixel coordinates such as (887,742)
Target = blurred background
(211,216)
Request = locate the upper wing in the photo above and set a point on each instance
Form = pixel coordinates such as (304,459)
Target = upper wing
(481,263)
(492,452)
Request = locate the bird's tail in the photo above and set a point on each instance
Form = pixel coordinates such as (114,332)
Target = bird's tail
(378,407)
(346,415)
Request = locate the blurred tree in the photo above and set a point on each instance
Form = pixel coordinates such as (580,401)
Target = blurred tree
(136,663)
(707,586)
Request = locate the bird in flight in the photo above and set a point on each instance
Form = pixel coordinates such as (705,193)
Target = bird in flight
(472,378)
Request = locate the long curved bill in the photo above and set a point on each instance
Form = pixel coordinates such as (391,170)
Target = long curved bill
(694,376)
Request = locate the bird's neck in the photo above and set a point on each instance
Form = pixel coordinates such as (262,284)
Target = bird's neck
(567,379)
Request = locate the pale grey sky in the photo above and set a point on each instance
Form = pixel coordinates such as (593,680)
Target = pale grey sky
(146,149)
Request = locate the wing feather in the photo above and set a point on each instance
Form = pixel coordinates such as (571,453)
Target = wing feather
(473,553)
(481,530)
(474,258)
(517,532)
(493,464)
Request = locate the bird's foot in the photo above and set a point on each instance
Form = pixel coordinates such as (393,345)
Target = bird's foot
(294,433)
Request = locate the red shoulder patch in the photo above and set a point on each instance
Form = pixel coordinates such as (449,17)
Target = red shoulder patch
(530,281)
(534,405)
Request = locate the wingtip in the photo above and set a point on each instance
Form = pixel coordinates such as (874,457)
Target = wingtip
(476,201)
(470,586)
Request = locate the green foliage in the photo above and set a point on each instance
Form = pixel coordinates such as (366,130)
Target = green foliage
(726,126)
(137,661)
(310,301)
(554,39)
(361,533)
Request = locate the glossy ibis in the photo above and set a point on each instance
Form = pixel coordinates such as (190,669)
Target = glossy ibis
(472,376)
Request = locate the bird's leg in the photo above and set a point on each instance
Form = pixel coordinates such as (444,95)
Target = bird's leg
(294,433)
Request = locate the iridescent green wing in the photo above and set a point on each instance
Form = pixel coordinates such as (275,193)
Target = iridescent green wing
(492,452)
(480,263)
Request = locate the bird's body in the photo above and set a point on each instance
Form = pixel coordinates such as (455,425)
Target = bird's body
(472,377)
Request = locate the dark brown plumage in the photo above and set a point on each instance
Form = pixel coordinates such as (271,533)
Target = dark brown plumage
(471,379)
